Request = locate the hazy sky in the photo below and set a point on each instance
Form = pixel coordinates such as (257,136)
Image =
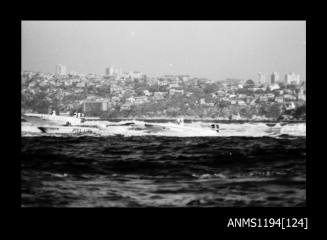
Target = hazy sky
(212,49)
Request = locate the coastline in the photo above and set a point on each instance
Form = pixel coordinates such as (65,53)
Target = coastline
(203,120)
(186,119)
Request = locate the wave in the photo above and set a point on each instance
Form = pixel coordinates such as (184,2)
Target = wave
(195,129)
(164,155)
(294,129)
(152,171)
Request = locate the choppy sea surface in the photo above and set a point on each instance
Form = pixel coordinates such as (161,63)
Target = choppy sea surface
(153,170)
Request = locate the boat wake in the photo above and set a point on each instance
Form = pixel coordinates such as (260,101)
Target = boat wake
(142,128)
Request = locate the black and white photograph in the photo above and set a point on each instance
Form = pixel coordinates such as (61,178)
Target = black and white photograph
(163,114)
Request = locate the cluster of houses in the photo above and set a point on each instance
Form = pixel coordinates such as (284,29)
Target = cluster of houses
(101,93)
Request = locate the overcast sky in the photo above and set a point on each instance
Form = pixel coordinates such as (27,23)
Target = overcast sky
(213,49)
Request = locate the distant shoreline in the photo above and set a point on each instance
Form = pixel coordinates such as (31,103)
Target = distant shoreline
(203,120)
(189,119)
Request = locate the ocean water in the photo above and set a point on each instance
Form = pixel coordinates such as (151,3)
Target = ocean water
(231,170)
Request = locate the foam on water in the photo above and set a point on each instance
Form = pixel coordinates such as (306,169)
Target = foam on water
(294,129)
(152,171)
(196,129)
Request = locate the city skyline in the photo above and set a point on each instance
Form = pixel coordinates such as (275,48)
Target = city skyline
(118,72)
(212,49)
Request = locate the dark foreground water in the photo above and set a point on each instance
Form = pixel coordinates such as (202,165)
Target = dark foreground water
(163,171)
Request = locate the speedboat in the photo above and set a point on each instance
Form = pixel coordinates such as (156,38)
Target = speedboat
(58,119)
(45,123)
(68,130)
(177,126)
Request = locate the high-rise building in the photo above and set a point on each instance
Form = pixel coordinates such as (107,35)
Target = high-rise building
(116,71)
(61,69)
(262,78)
(274,78)
(292,78)
(136,74)
(120,72)
(110,71)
